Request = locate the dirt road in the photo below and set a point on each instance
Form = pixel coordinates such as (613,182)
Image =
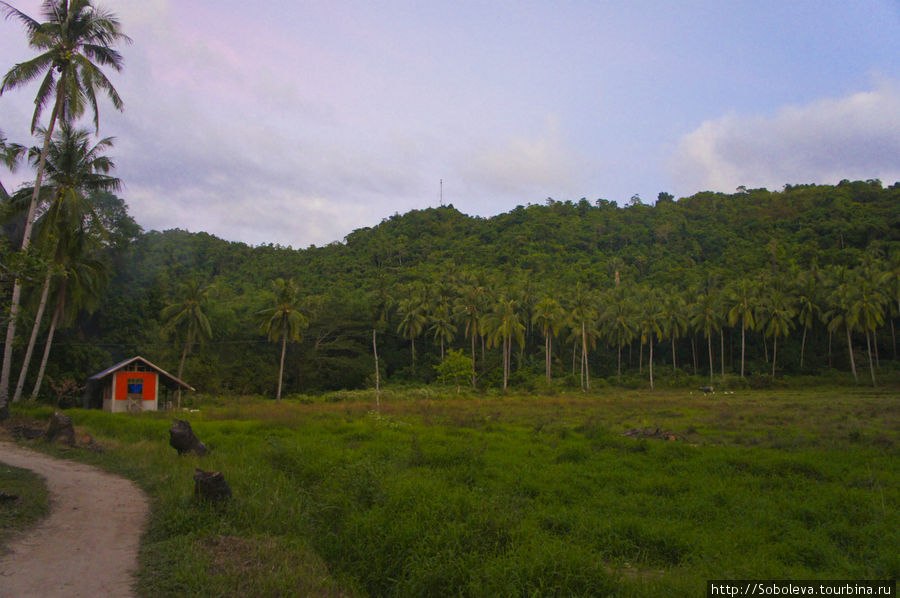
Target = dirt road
(88,545)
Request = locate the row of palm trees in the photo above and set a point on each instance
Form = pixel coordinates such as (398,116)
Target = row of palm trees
(73,41)
(839,300)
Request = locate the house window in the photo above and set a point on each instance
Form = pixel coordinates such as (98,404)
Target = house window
(135,386)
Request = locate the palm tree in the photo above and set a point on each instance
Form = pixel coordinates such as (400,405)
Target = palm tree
(75,171)
(442,326)
(809,311)
(674,321)
(503,326)
(10,154)
(650,323)
(283,320)
(82,278)
(74,36)
(867,308)
(187,316)
(583,314)
(549,316)
(469,306)
(778,319)
(619,322)
(705,319)
(411,310)
(742,301)
(839,315)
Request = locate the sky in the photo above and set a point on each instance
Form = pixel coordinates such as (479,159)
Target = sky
(296,123)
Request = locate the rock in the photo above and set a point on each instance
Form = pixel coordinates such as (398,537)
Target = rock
(183,440)
(211,486)
(60,429)
(5,497)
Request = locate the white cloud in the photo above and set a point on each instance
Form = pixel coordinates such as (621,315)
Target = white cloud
(854,137)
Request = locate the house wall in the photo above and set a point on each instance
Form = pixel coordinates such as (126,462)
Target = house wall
(119,387)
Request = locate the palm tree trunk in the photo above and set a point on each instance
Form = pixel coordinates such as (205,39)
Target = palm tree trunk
(412,342)
(722,350)
(641,359)
(694,352)
(547,351)
(284,334)
(377,374)
(803,346)
(505,361)
(871,367)
(674,365)
(619,365)
(473,359)
(16,297)
(852,361)
(651,361)
(584,356)
(17,395)
(743,348)
(709,346)
(187,345)
(774,353)
(57,314)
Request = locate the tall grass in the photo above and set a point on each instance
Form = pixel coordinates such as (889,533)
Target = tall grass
(518,496)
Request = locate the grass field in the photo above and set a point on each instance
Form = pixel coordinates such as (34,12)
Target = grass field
(517,496)
(32,504)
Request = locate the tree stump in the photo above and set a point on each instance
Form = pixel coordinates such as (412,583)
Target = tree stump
(60,429)
(210,485)
(183,440)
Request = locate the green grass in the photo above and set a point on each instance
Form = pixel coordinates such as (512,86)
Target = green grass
(518,496)
(19,515)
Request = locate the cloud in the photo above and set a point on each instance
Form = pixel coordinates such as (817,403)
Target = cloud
(522,165)
(854,137)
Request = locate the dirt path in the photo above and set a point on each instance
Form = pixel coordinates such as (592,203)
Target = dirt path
(88,545)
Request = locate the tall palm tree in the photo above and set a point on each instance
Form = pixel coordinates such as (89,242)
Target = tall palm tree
(618,320)
(583,315)
(706,319)
(503,326)
(650,322)
(186,317)
(413,319)
(81,281)
(840,315)
(75,171)
(742,301)
(74,36)
(674,321)
(469,306)
(867,308)
(549,316)
(809,310)
(442,326)
(284,320)
(778,319)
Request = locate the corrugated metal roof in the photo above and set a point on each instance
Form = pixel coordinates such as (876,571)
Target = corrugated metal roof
(122,364)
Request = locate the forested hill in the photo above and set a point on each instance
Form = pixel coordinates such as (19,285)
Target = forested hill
(705,243)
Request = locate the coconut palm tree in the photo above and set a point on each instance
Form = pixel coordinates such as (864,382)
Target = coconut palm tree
(75,170)
(10,154)
(742,301)
(82,277)
(706,319)
(839,315)
(284,320)
(469,306)
(550,317)
(186,316)
(413,319)
(583,317)
(650,318)
(618,320)
(867,308)
(74,36)
(502,326)
(777,319)
(442,325)
(674,321)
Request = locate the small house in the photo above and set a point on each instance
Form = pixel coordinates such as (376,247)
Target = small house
(133,385)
